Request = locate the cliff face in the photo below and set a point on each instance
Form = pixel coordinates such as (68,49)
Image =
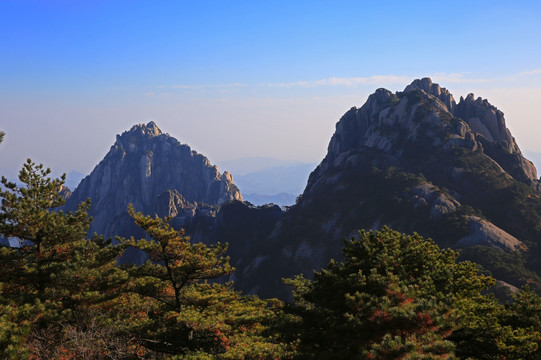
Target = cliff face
(416,161)
(143,167)
(387,121)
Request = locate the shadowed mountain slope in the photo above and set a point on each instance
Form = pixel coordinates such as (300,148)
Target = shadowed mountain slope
(415,161)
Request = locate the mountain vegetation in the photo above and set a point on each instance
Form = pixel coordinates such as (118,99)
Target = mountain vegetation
(64,296)
(399,296)
(55,279)
(188,313)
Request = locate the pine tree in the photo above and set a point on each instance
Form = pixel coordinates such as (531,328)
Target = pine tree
(183,311)
(400,296)
(54,278)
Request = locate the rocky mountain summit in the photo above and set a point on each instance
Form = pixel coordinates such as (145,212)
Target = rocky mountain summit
(154,172)
(416,161)
(424,109)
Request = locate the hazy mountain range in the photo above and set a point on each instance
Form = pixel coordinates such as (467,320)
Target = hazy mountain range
(415,160)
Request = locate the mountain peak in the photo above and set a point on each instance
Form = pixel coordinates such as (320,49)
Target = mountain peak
(396,123)
(431,88)
(141,165)
(424,84)
(414,160)
(150,129)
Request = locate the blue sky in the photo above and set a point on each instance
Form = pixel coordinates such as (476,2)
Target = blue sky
(246,78)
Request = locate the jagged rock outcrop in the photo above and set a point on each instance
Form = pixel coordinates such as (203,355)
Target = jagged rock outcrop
(426,85)
(488,123)
(483,232)
(65,192)
(147,168)
(428,195)
(386,119)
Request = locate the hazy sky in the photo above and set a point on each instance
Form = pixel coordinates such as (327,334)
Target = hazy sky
(246,78)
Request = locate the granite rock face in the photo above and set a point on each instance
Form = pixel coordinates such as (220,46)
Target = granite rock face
(428,195)
(154,172)
(65,192)
(488,124)
(485,233)
(426,85)
(424,109)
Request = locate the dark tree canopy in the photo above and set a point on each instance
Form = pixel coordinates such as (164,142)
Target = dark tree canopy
(395,296)
(54,277)
(401,296)
(188,313)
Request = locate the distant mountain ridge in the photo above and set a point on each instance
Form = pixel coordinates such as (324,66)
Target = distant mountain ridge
(280,199)
(247,165)
(264,180)
(277,179)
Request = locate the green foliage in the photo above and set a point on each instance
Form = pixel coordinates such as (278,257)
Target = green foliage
(181,313)
(399,296)
(2,134)
(64,297)
(524,312)
(506,266)
(394,296)
(55,276)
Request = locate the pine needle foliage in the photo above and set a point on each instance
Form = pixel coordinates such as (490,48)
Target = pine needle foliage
(54,276)
(184,312)
(398,296)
